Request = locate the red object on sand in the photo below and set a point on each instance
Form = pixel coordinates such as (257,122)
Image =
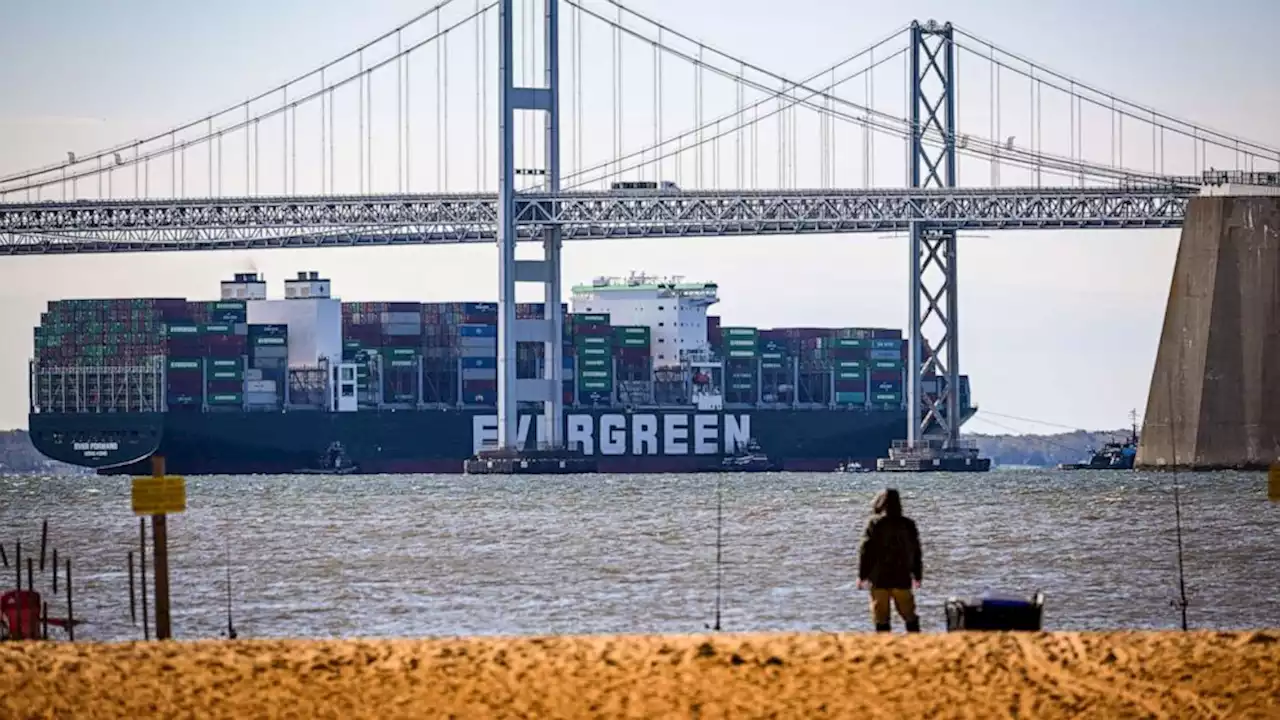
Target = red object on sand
(21,612)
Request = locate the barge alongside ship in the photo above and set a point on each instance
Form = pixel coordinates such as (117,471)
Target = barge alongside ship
(246,385)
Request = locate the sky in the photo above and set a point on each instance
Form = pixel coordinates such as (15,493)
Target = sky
(1055,327)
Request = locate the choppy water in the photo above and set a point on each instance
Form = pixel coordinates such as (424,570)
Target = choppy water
(445,555)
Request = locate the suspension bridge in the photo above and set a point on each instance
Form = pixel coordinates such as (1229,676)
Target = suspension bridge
(478,122)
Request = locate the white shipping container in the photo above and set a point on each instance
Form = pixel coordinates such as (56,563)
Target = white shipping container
(261,399)
(260,386)
(253,374)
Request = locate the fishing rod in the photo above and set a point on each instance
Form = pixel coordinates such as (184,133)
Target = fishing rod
(1181,602)
(719,548)
(231,624)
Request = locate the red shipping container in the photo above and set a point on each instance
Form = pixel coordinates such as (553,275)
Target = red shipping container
(887,375)
(479,385)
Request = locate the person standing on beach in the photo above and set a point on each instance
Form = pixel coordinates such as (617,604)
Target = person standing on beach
(889,559)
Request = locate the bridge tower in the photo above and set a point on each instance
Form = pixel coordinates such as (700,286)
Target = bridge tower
(545,99)
(932,346)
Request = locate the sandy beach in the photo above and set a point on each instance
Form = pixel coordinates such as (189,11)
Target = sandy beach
(1051,675)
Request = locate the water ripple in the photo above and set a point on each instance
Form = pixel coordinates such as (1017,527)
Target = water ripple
(450,555)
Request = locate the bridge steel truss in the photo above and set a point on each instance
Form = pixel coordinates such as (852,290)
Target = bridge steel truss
(309,222)
(933,348)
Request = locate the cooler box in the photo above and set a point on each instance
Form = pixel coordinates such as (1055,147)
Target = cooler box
(995,613)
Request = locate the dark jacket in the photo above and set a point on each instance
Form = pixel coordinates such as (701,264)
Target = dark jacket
(889,556)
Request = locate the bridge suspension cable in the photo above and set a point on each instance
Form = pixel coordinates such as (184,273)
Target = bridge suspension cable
(110,152)
(252,122)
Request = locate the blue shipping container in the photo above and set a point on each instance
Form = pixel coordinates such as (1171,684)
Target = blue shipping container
(478,331)
(482,363)
(268,330)
(475,308)
(889,387)
(882,354)
(882,344)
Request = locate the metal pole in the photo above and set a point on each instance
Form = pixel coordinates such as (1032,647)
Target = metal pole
(553,357)
(915,340)
(508,420)
(953,299)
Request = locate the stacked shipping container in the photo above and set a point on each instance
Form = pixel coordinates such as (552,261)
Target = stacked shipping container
(103,355)
(593,343)
(740,350)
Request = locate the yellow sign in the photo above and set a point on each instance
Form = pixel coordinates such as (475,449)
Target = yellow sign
(159,495)
(1273,483)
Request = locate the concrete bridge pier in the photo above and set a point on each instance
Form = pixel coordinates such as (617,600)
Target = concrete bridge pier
(1214,401)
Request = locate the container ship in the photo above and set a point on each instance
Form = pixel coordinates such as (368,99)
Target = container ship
(307,383)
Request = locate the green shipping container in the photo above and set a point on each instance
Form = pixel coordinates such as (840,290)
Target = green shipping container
(226,375)
(771,356)
(217,329)
(591,319)
(402,363)
(851,365)
(590,351)
(851,398)
(742,354)
(887,364)
(635,342)
(851,375)
(598,375)
(233,305)
(592,341)
(594,386)
(596,362)
(852,343)
(265,340)
(739,332)
(226,363)
(742,386)
(185,364)
(227,399)
(183,330)
(887,397)
(771,366)
(741,343)
(404,352)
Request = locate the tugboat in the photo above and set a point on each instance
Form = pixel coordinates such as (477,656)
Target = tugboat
(1113,455)
(748,459)
(332,461)
(852,466)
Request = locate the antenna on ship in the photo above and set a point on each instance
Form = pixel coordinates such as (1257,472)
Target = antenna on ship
(1181,601)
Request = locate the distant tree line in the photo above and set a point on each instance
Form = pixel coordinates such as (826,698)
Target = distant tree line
(1044,450)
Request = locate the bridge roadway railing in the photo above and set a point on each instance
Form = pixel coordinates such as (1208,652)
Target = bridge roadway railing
(105,226)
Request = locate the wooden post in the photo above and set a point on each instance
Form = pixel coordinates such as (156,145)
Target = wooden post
(133,599)
(142,559)
(71,616)
(44,542)
(1273,483)
(17,564)
(4,559)
(55,571)
(160,536)
(31,576)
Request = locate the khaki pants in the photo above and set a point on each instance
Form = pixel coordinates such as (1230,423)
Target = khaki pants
(904,600)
